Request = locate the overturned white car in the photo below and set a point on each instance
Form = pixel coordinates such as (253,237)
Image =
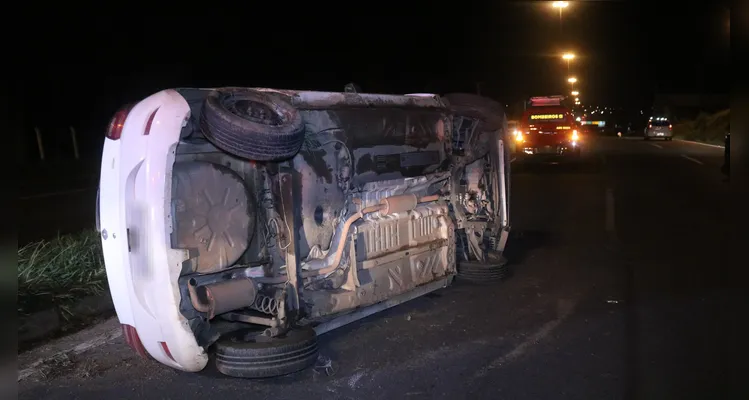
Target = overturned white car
(249,221)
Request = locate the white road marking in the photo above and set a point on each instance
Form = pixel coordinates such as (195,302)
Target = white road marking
(512,161)
(610,213)
(692,159)
(564,309)
(700,143)
(51,194)
(656,145)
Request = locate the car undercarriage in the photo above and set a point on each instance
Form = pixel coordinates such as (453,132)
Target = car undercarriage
(382,198)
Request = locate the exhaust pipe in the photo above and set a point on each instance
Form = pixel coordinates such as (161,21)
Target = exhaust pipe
(222,297)
(387,206)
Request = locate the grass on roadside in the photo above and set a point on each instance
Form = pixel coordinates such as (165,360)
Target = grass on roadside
(60,271)
(706,128)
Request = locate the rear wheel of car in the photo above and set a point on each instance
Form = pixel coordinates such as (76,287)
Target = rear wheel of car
(258,356)
(483,273)
(252,124)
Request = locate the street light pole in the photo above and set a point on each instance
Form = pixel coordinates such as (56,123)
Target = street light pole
(572,81)
(568,57)
(560,5)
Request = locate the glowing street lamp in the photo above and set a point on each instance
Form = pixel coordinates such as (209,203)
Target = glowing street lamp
(575,93)
(561,5)
(572,80)
(568,57)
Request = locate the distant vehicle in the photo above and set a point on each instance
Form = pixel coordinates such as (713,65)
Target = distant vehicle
(659,127)
(247,221)
(548,128)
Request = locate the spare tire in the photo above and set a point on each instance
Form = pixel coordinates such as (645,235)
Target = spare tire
(214,214)
(251,124)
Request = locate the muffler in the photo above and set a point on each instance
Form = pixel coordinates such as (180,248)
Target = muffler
(222,297)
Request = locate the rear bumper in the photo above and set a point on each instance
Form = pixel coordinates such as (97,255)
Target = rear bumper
(559,150)
(134,203)
(659,134)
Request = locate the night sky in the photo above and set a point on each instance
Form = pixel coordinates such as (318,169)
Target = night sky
(626,52)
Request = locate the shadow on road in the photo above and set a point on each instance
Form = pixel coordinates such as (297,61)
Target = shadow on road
(586,165)
(521,243)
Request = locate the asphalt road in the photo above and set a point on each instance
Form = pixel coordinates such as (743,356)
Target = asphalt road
(620,290)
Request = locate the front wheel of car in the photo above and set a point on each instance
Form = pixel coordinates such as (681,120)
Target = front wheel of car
(258,356)
(483,273)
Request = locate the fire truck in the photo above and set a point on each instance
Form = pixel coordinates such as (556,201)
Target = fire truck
(547,129)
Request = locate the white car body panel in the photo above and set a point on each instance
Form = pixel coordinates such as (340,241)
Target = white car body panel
(135,192)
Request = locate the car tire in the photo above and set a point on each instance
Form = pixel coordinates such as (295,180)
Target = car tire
(481,273)
(251,124)
(247,357)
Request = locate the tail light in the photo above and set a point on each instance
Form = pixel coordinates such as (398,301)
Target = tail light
(650,125)
(133,340)
(114,130)
(670,126)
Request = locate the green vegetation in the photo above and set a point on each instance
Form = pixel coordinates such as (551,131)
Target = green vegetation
(706,128)
(58,272)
